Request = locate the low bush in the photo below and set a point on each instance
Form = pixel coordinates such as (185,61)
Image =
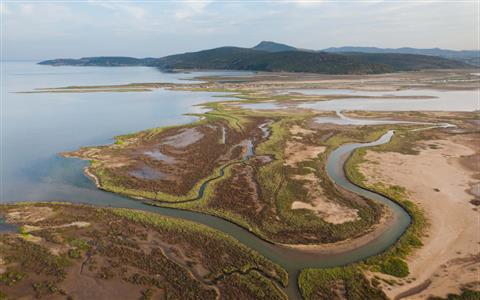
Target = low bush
(395,266)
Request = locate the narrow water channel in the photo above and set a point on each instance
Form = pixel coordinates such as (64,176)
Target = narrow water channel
(294,260)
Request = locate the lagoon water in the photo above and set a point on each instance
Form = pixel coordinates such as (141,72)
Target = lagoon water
(35,127)
(324,92)
(442,101)
(433,100)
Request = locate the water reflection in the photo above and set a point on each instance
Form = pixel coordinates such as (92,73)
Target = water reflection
(38,126)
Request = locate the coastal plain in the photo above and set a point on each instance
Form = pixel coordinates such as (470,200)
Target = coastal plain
(265,169)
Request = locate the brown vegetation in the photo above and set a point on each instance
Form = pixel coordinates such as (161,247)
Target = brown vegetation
(126,254)
(171,161)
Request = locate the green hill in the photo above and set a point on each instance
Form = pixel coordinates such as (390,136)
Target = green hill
(275,60)
(468,56)
(273,47)
(104,61)
(233,58)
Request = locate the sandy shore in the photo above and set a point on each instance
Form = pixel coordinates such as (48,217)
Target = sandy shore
(438,182)
(90,175)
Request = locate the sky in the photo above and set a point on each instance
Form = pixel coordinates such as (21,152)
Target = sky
(40,30)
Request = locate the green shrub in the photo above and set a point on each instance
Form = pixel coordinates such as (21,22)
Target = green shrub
(80,244)
(74,253)
(395,267)
(147,294)
(46,288)
(23,231)
(324,284)
(465,295)
(11,277)
(3,296)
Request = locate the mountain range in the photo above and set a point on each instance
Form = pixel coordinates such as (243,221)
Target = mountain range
(276,57)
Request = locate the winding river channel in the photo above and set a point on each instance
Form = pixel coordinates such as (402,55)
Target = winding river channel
(291,259)
(37,126)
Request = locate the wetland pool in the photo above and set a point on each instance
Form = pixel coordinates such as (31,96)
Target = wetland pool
(468,100)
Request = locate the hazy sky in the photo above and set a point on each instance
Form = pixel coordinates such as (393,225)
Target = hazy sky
(49,29)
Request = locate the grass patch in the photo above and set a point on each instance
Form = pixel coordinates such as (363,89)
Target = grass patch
(465,295)
(395,266)
(11,277)
(337,283)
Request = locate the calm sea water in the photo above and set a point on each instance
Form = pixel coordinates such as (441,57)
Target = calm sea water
(35,127)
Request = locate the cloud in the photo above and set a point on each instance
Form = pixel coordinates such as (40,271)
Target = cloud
(34,21)
(134,11)
(122,19)
(189,9)
(130,10)
(307,3)
(4,10)
(26,9)
(156,28)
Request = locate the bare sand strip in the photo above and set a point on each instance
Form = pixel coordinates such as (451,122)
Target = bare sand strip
(438,183)
(329,211)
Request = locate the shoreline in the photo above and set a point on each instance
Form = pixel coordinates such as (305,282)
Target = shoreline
(270,81)
(90,175)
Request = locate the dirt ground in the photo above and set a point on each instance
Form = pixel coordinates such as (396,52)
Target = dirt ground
(297,152)
(439,181)
(329,211)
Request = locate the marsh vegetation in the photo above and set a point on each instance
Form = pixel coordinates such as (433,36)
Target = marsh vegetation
(79,252)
